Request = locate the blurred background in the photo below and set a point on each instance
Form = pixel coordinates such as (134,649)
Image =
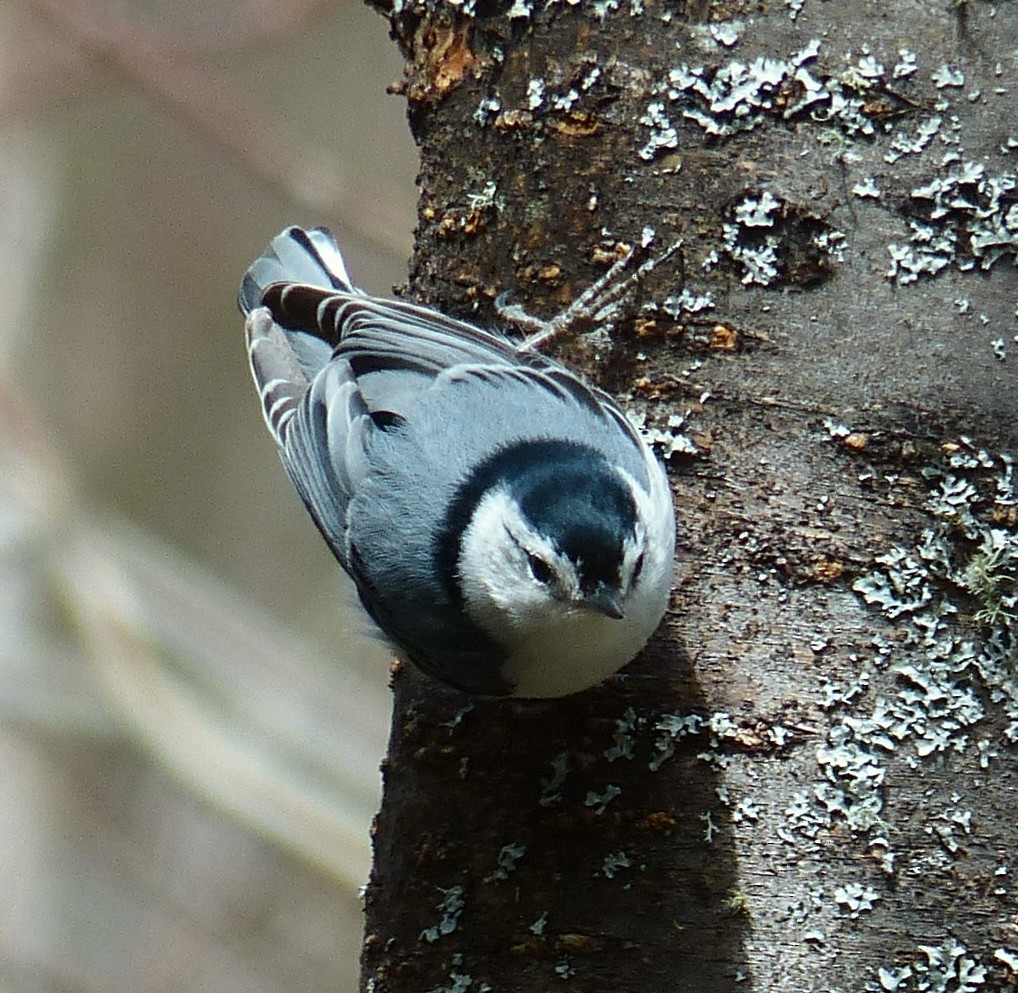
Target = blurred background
(191,724)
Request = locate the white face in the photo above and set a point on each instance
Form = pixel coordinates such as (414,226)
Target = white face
(527,596)
(514,578)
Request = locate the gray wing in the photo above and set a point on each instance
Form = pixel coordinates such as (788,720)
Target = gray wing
(335,368)
(395,348)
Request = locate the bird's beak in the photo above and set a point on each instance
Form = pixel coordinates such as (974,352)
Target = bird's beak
(605,601)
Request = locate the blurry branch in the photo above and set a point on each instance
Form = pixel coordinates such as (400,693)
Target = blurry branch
(257,722)
(198,99)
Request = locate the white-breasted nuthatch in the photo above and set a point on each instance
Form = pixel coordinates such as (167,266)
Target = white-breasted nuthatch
(504,523)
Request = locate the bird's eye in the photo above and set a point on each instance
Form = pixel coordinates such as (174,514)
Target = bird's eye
(539,569)
(638,568)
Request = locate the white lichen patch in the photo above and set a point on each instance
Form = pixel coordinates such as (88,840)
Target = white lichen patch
(687,304)
(624,736)
(613,863)
(736,96)
(673,728)
(710,827)
(799,820)
(947,825)
(856,899)
(663,136)
(965,217)
(518,10)
(745,810)
(460,982)
(946,968)
(764,235)
(725,99)
(906,65)
(600,801)
(757,260)
(727,33)
(758,212)
(450,907)
(668,440)
(563,90)
(905,144)
(853,776)
(487,109)
(535,93)
(952,597)
(963,563)
(948,75)
(867,188)
(506,863)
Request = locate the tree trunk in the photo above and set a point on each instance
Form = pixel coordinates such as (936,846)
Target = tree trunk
(806,781)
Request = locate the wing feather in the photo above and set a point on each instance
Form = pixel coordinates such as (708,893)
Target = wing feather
(334,366)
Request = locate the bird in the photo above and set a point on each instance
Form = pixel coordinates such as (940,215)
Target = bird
(505,525)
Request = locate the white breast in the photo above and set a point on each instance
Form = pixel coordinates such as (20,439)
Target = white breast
(584,648)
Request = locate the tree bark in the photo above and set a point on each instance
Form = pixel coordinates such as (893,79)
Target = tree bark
(807,779)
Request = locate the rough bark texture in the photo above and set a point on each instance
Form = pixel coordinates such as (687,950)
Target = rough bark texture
(807,780)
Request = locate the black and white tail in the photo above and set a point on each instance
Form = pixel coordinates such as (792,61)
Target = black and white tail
(285,360)
(296,255)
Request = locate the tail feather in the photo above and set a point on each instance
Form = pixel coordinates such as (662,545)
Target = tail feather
(280,378)
(296,255)
(311,402)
